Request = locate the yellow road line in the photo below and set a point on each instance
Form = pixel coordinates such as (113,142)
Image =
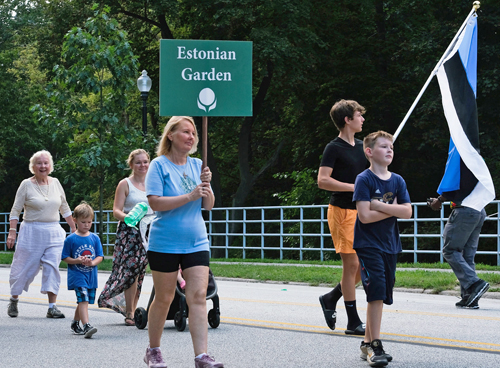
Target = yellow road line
(323,330)
(287,326)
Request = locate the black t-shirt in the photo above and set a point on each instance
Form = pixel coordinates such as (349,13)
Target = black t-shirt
(347,162)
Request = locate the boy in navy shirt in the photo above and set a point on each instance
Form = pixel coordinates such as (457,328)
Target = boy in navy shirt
(381,198)
(83,252)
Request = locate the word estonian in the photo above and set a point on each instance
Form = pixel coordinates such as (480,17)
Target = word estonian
(189,75)
(202,54)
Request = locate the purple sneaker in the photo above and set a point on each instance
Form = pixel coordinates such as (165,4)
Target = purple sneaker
(206,361)
(154,359)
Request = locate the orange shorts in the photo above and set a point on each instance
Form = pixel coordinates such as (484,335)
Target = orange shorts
(341,223)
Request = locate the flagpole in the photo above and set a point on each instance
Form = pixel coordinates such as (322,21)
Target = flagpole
(475,7)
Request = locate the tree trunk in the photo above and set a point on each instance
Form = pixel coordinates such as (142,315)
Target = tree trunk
(247,179)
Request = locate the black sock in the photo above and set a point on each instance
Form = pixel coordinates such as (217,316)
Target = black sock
(353,320)
(333,297)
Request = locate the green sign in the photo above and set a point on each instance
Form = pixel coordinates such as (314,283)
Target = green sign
(205,78)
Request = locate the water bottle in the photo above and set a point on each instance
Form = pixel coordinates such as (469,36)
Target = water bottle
(136,214)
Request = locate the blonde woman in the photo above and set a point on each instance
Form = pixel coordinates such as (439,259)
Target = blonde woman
(177,189)
(41,237)
(123,288)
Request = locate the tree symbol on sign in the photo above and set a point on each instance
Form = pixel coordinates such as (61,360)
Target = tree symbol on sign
(206,98)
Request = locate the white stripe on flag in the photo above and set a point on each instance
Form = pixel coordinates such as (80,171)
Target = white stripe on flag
(484,192)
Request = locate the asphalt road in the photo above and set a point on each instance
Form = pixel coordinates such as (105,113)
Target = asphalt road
(262,325)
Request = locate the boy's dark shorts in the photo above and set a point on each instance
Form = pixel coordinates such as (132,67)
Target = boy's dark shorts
(378,274)
(85,295)
(169,262)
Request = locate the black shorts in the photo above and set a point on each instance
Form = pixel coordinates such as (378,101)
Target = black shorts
(169,262)
(378,274)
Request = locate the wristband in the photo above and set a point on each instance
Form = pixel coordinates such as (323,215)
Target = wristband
(12,228)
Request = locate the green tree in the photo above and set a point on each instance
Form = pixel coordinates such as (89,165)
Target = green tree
(21,83)
(88,97)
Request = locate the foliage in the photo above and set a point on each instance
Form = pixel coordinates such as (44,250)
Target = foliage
(307,55)
(88,98)
(304,190)
(21,83)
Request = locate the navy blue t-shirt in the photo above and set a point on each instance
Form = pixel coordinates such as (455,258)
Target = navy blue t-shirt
(383,234)
(76,246)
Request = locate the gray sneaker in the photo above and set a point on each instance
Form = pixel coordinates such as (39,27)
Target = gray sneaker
(206,361)
(54,313)
(12,308)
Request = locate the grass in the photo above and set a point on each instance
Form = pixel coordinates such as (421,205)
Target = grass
(435,281)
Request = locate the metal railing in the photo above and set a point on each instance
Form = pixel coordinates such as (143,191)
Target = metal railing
(301,232)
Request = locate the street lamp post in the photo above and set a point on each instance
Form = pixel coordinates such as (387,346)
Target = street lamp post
(144,85)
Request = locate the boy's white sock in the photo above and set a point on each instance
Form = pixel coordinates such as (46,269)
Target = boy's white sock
(51,305)
(201,355)
(14,299)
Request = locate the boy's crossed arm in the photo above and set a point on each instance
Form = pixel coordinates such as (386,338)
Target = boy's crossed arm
(374,211)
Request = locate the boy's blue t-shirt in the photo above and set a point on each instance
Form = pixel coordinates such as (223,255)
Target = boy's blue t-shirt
(76,246)
(383,234)
(181,230)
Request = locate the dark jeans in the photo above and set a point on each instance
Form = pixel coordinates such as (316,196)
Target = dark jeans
(461,238)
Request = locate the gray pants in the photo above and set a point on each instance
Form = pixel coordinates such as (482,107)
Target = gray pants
(461,238)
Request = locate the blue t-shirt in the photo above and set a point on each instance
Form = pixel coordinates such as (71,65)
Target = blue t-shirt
(383,234)
(181,230)
(76,246)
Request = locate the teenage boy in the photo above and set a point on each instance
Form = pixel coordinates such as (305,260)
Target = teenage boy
(83,252)
(343,159)
(381,198)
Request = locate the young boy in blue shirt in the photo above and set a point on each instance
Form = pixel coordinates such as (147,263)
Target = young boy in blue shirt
(381,198)
(83,252)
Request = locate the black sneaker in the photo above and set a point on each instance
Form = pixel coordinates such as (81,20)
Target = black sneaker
(463,303)
(376,354)
(88,330)
(476,291)
(75,327)
(364,351)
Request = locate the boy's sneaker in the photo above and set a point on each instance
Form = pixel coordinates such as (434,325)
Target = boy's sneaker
(88,330)
(154,359)
(12,308)
(364,351)
(75,327)
(206,361)
(54,313)
(375,354)
(476,291)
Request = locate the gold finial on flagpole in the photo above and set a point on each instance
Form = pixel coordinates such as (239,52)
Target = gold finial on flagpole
(476,5)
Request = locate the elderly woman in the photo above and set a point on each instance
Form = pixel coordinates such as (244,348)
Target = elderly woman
(41,237)
(123,288)
(177,189)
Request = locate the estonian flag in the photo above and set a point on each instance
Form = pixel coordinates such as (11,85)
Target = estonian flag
(457,81)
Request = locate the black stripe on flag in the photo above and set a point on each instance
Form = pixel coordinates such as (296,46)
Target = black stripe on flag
(463,98)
